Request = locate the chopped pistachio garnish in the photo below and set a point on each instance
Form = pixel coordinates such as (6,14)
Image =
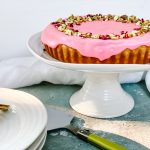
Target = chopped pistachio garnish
(66,26)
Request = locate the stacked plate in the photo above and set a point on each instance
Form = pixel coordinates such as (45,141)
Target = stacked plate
(24,125)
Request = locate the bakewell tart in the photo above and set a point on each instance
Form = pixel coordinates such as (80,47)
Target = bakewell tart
(98,39)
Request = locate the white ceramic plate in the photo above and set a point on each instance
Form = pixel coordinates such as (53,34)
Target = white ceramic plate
(20,126)
(38,141)
(36,48)
(42,143)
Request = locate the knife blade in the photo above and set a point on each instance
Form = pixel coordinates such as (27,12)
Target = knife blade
(58,119)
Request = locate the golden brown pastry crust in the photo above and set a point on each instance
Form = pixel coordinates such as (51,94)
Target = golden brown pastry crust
(64,53)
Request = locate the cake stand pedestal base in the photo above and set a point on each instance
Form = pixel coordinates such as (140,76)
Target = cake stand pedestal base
(102,97)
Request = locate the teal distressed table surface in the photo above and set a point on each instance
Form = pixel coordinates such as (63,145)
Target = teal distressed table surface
(139,119)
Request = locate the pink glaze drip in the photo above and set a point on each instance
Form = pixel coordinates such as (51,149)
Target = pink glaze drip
(101,49)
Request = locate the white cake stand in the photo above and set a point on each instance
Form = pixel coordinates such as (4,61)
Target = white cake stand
(101,95)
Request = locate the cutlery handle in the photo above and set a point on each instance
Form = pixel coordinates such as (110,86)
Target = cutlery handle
(4,107)
(99,141)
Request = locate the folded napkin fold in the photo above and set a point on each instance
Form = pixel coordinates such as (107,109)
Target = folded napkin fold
(26,71)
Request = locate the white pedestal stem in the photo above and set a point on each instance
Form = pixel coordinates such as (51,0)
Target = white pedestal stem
(102,96)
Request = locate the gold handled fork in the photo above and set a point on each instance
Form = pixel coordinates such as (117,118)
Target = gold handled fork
(4,107)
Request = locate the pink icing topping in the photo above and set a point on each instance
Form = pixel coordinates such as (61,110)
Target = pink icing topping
(105,27)
(101,49)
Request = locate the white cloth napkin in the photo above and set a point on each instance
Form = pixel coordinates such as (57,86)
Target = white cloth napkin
(147,80)
(26,71)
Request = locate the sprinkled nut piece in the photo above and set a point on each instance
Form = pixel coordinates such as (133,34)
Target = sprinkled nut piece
(124,17)
(68,32)
(116,18)
(110,17)
(96,36)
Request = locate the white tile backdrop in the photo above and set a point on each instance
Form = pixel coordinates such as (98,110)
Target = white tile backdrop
(21,18)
